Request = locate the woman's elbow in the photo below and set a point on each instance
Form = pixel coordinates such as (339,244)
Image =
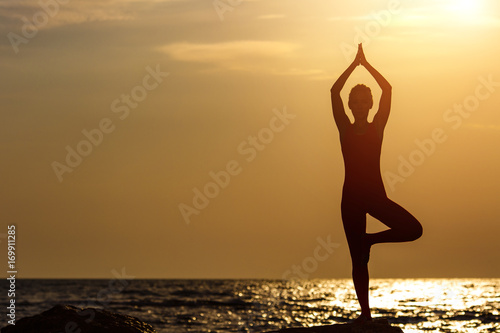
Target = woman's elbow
(334,89)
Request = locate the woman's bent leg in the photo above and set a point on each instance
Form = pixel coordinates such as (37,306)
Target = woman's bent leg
(404,227)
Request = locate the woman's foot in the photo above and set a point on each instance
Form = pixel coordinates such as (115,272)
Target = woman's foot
(362,319)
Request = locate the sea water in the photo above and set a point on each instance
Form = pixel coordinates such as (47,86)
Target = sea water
(415,305)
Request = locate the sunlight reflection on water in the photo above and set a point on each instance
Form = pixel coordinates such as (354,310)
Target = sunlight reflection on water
(415,305)
(453,305)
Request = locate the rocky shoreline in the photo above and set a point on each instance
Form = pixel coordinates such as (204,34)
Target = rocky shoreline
(72,319)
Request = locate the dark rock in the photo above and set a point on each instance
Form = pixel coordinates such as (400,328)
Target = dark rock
(373,326)
(72,319)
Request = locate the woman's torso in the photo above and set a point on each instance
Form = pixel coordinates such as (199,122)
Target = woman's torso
(361,152)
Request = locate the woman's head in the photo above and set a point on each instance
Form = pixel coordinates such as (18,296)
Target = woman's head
(360,100)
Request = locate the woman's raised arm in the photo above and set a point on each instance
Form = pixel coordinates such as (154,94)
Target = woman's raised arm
(339,114)
(384,108)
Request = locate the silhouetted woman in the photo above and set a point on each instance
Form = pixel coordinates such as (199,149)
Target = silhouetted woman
(363,192)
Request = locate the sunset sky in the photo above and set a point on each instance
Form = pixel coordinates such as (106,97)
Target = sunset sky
(195,139)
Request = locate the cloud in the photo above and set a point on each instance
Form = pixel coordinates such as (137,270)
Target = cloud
(227,51)
(236,55)
(72,12)
(270,16)
(311,74)
(268,57)
(349,18)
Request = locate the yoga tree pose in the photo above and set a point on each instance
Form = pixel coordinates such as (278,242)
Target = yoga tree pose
(363,192)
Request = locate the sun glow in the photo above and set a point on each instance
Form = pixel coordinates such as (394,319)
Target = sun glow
(466,8)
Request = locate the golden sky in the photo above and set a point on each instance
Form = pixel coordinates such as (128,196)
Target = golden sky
(194,139)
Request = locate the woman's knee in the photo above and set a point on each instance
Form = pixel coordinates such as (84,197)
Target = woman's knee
(409,229)
(359,260)
(416,230)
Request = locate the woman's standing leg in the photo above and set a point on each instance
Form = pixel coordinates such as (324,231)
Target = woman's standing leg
(354,220)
